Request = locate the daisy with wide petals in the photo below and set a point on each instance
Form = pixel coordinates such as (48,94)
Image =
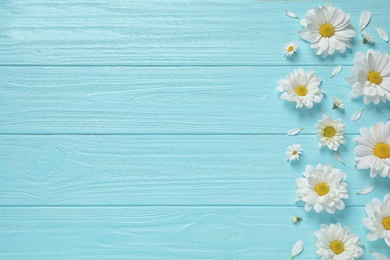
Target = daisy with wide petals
(378,219)
(330,132)
(290,49)
(328,29)
(337,242)
(370,77)
(323,187)
(293,152)
(373,149)
(302,88)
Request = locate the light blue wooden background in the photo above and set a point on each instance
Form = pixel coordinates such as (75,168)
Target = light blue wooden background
(152,129)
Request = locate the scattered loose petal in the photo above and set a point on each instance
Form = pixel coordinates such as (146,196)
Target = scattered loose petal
(337,103)
(357,115)
(365,19)
(382,34)
(297,248)
(291,14)
(367,37)
(379,256)
(338,158)
(295,219)
(336,70)
(365,190)
(294,131)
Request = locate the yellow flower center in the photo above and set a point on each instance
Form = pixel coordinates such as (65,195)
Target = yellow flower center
(386,223)
(301,90)
(382,150)
(290,48)
(295,152)
(374,77)
(337,247)
(326,30)
(322,189)
(329,132)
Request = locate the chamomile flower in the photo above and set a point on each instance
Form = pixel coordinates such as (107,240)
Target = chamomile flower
(330,132)
(337,103)
(323,187)
(367,37)
(378,219)
(373,149)
(295,219)
(337,242)
(290,49)
(293,152)
(328,29)
(302,88)
(370,77)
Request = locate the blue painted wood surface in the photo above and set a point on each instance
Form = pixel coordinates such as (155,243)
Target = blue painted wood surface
(152,129)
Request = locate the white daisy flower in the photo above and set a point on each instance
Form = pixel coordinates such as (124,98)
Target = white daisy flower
(367,37)
(378,219)
(337,103)
(295,219)
(301,87)
(290,49)
(293,152)
(373,149)
(330,132)
(336,242)
(322,187)
(328,29)
(370,77)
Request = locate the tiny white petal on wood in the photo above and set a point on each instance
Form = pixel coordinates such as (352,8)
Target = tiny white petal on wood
(291,14)
(336,70)
(364,19)
(365,190)
(379,256)
(357,115)
(294,131)
(297,248)
(338,158)
(382,33)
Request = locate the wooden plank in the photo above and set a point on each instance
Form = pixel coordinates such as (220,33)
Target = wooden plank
(128,100)
(164,170)
(169,32)
(166,232)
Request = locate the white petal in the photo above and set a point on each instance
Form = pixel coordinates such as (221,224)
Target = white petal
(294,131)
(338,158)
(297,248)
(291,14)
(336,70)
(357,115)
(379,256)
(382,34)
(365,19)
(365,190)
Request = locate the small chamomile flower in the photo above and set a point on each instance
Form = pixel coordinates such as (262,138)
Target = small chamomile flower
(367,37)
(330,132)
(337,103)
(290,49)
(293,152)
(295,219)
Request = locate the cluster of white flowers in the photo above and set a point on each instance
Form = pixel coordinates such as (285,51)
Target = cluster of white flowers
(323,187)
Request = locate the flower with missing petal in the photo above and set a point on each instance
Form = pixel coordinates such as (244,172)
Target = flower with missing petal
(295,219)
(378,219)
(330,132)
(370,77)
(290,49)
(302,88)
(293,152)
(373,149)
(323,187)
(328,29)
(337,242)
(337,103)
(367,37)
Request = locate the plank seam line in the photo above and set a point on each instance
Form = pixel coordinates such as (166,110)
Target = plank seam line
(164,205)
(162,134)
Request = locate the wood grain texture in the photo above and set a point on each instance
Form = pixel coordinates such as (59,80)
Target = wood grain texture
(166,232)
(128,100)
(164,170)
(169,32)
